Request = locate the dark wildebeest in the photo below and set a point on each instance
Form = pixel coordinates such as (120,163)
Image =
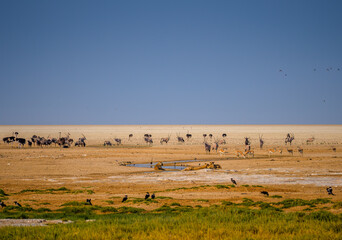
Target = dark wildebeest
(264,193)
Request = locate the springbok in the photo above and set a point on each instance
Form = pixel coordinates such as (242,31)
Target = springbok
(240,154)
(300,150)
(310,140)
(290,151)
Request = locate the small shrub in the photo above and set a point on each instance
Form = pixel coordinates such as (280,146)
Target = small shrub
(175,204)
(276,196)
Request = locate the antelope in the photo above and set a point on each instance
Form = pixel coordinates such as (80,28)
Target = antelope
(300,150)
(271,151)
(240,154)
(222,151)
(165,140)
(290,151)
(310,140)
(261,141)
(81,141)
(249,153)
(289,138)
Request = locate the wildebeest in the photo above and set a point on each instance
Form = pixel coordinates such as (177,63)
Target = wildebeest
(264,193)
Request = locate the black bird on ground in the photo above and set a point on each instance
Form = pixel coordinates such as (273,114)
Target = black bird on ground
(2,204)
(265,193)
(153,196)
(89,202)
(124,199)
(18,204)
(329,190)
(233,181)
(147,195)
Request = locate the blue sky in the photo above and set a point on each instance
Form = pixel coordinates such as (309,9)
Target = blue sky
(170,62)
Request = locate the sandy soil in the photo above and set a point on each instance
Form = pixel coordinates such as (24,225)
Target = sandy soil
(97,168)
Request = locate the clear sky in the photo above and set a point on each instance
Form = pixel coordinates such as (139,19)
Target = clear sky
(171,62)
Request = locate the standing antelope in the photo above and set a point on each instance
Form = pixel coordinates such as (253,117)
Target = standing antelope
(300,150)
(165,140)
(290,151)
(289,138)
(261,141)
(310,140)
(81,141)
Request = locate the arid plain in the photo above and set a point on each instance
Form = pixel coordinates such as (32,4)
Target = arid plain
(96,171)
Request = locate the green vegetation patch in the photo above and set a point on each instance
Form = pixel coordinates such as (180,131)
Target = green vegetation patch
(2,193)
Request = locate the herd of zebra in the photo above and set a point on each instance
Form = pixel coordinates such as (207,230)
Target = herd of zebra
(35,140)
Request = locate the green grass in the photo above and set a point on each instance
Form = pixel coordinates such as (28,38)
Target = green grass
(2,193)
(215,222)
(60,190)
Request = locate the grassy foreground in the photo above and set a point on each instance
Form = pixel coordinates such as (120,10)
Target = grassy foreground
(215,222)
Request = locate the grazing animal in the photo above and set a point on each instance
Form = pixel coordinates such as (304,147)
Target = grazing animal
(289,138)
(124,199)
(18,204)
(329,190)
(310,140)
(264,193)
(240,154)
(300,150)
(147,195)
(290,151)
(88,202)
(165,140)
(2,204)
(249,153)
(153,196)
(159,166)
(233,181)
(107,143)
(207,147)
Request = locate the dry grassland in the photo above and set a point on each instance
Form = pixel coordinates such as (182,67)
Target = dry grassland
(94,171)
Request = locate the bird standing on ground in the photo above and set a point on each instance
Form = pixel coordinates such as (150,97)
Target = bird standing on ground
(233,181)
(147,195)
(124,199)
(18,204)
(153,196)
(329,190)
(2,204)
(89,202)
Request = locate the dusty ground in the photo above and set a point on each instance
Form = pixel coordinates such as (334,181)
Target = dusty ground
(94,171)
